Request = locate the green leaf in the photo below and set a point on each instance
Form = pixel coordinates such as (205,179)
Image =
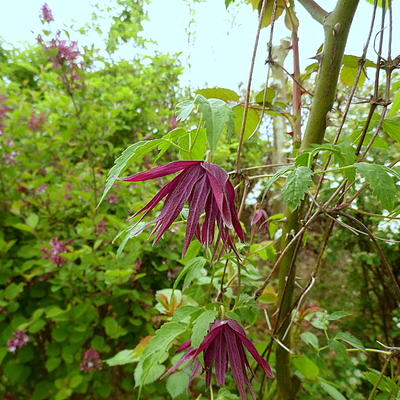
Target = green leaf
(129,356)
(392,128)
(219,93)
(338,315)
(184,109)
(278,174)
(201,326)
(252,122)
(310,339)
(13,290)
(348,76)
(132,153)
(52,363)
(32,220)
(386,384)
(297,185)
(191,271)
(269,96)
(381,183)
(177,384)
(217,116)
(350,339)
(332,391)
(269,11)
(112,328)
(306,367)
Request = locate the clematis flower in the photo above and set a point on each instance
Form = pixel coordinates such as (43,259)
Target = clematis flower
(260,220)
(206,187)
(223,347)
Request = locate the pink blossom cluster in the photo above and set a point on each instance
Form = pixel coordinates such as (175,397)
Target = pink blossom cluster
(4,109)
(113,198)
(46,14)
(9,158)
(18,340)
(58,247)
(91,361)
(67,53)
(36,122)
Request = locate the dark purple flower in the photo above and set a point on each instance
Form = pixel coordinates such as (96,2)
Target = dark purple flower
(224,346)
(91,361)
(58,247)
(260,220)
(206,187)
(101,227)
(9,158)
(18,340)
(46,13)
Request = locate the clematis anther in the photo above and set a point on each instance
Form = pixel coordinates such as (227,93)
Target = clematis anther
(224,347)
(206,187)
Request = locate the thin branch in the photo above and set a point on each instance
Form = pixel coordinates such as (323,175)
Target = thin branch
(315,10)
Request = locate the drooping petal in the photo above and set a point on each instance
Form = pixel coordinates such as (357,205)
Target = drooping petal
(221,361)
(236,363)
(188,356)
(250,347)
(162,170)
(208,228)
(176,200)
(165,190)
(210,355)
(196,207)
(235,219)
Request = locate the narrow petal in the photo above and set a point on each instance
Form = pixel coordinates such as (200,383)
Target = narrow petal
(235,361)
(162,170)
(165,190)
(208,339)
(208,228)
(235,219)
(196,207)
(210,355)
(188,356)
(221,361)
(176,200)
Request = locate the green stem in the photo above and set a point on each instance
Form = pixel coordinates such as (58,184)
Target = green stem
(336,26)
(378,381)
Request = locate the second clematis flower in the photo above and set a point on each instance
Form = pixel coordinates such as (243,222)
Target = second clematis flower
(206,187)
(224,347)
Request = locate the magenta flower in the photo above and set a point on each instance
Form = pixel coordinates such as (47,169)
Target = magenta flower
(36,122)
(58,247)
(224,346)
(46,13)
(91,361)
(206,187)
(67,52)
(18,340)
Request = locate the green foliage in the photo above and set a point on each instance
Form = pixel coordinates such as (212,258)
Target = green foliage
(297,185)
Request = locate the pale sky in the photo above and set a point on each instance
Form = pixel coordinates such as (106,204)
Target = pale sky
(221,44)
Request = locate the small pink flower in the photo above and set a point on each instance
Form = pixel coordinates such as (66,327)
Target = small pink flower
(91,361)
(53,254)
(67,52)
(113,198)
(101,227)
(36,122)
(18,340)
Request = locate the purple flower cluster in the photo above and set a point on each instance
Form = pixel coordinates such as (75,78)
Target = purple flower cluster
(4,109)
(9,158)
(91,361)
(113,198)
(58,247)
(18,340)
(36,122)
(223,347)
(46,15)
(207,189)
(67,53)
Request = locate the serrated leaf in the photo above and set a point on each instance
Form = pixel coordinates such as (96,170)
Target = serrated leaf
(201,326)
(297,185)
(132,153)
(184,109)
(278,174)
(310,339)
(386,384)
(380,182)
(217,116)
(332,391)
(190,271)
(350,339)
(177,384)
(219,93)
